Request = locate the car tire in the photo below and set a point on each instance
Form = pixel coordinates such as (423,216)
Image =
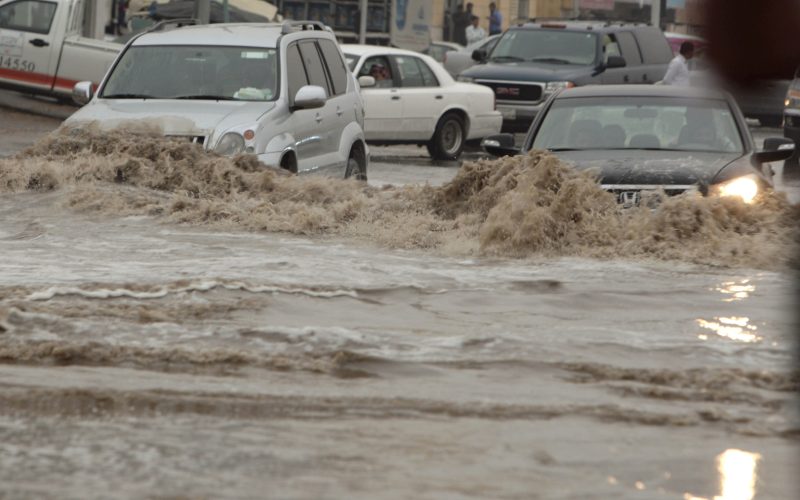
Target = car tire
(449,139)
(356,165)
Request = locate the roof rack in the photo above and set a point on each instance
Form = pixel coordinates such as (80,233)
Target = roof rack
(290,26)
(159,26)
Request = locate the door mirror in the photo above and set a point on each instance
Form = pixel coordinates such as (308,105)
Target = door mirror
(479,55)
(500,145)
(775,149)
(615,62)
(366,81)
(309,97)
(82,92)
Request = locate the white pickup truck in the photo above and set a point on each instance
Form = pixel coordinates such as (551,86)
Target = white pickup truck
(43,50)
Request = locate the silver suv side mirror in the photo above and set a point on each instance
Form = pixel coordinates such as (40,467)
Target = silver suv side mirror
(309,97)
(82,92)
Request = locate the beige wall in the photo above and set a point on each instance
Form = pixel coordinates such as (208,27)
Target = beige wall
(509,9)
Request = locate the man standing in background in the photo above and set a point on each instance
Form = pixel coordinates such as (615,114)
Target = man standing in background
(495,20)
(678,69)
(474,31)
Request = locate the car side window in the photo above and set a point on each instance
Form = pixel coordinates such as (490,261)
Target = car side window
(336,69)
(428,78)
(379,68)
(630,51)
(295,72)
(313,64)
(28,15)
(412,72)
(610,47)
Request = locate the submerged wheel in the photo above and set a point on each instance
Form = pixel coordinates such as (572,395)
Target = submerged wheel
(448,140)
(356,165)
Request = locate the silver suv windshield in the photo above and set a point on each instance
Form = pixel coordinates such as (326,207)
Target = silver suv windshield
(547,46)
(651,123)
(195,72)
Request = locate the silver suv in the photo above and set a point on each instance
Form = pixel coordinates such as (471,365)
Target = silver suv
(279,91)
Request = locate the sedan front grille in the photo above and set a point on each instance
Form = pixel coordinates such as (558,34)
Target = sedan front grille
(514,91)
(632,195)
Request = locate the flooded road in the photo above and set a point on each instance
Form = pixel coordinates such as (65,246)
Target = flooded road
(327,340)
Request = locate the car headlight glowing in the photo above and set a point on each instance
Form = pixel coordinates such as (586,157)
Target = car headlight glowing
(745,188)
(465,79)
(553,86)
(231,144)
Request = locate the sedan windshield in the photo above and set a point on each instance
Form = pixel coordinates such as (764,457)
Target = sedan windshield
(195,72)
(654,123)
(546,45)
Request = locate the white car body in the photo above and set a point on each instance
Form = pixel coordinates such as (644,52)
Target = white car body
(319,139)
(457,61)
(43,50)
(410,114)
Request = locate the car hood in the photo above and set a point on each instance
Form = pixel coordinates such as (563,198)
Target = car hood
(527,71)
(171,116)
(650,167)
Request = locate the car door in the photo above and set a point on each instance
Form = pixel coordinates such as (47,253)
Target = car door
(302,123)
(343,103)
(422,97)
(618,44)
(27,42)
(382,103)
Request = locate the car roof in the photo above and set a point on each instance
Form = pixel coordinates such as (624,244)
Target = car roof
(368,50)
(641,91)
(231,34)
(581,26)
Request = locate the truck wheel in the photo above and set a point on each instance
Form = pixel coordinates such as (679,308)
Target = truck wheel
(448,140)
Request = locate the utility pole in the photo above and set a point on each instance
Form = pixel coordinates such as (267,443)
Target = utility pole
(202,11)
(362,26)
(655,12)
(576,9)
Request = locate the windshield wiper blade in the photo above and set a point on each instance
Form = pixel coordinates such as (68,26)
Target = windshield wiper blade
(555,60)
(506,58)
(127,96)
(205,97)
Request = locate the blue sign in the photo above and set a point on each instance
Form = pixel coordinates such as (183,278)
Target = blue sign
(676,4)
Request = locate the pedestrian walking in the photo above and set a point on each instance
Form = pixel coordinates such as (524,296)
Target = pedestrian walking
(678,69)
(474,32)
(495,20)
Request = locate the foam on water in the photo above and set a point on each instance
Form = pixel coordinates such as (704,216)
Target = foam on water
(512,207)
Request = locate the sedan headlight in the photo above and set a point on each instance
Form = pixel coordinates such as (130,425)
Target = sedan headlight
(465,79)
(745,187)
(231,144)
(553,86)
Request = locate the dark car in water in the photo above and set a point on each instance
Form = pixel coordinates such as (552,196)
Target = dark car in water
(791,117)
(645,139)
(530,62)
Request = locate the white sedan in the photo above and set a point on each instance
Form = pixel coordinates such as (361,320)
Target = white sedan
(410,99)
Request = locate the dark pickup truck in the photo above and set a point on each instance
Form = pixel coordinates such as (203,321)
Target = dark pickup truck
(532,61)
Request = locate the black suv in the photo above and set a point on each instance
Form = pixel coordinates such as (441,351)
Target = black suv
(532,61)
(791,117)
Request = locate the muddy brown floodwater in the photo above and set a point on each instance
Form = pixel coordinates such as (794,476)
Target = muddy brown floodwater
(178,325)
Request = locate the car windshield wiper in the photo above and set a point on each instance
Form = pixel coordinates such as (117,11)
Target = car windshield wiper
(205,97)
(127,96)
(555,60)
(507,58)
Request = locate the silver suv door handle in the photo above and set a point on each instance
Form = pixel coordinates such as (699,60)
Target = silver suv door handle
(339,111)
(318,118)
(395,97)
